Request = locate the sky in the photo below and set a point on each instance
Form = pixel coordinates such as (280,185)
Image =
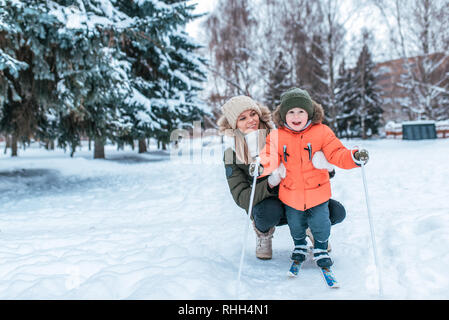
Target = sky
(203,6)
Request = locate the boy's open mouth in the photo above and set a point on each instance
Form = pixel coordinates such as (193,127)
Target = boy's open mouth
(296,123)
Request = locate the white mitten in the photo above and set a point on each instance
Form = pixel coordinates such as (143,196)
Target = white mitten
(252,141)
(277,175)
(320,162)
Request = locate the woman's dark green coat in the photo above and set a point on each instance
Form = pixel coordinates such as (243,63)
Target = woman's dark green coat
(240,182)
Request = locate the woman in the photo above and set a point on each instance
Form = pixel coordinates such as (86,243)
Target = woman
(242,116)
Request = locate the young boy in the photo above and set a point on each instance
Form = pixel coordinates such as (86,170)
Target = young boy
(305,190)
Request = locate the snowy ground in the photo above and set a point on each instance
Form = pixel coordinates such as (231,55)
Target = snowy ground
(154,227)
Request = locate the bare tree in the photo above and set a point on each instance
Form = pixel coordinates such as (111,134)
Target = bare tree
(316,32)
(230,31)
(333,33)
(272,54)
(419,34)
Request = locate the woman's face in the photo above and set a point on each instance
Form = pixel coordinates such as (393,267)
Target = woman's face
(248,121)
(296,118)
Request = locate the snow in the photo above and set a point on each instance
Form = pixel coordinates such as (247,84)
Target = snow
(182,77)
(416,122)
(153,227)
(76,18)
(13,65)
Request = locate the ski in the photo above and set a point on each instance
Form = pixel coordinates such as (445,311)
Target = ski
(329,277)
(294,268)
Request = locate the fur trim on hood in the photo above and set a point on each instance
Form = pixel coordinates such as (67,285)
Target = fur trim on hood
(224,125)
(318,115)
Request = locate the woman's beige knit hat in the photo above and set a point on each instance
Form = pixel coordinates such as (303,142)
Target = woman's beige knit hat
(236,105)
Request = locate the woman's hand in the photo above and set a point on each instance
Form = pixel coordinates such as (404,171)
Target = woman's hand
(277,175)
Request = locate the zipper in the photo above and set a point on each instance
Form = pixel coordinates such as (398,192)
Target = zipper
(309,148)
(285,153)
(303,182)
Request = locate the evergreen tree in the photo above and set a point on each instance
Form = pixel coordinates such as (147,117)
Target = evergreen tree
(110,70)
(91,72)
(166,73)
(345,94)
(279,81)
(26,81)
(318,81)
(367,97)
(73,78)
(179,105)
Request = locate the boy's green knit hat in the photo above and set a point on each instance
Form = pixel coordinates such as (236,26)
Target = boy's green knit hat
(295,98)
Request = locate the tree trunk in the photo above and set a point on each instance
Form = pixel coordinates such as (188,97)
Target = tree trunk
(142,146)
(8,143)
(49,145)
(98,149)
(14,146)
(362,120)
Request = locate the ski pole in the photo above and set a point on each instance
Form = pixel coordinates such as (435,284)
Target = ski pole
(250,209)
(371,225)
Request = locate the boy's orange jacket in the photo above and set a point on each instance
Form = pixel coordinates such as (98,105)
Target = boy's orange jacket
(304,186)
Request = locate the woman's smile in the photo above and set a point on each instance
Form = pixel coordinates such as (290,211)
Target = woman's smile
(252,125)
(248,121)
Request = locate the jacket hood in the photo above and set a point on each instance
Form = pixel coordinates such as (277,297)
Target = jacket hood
(318,115)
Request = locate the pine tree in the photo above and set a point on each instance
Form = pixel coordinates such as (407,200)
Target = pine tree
(166,72)
(141,46)
(345,94)
(91,72)
(318,81)
(180,105)
(367,96)
(279,81)
(26,81)
(75,78)
(110,70)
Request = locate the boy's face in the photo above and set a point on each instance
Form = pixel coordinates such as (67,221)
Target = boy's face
(296,118)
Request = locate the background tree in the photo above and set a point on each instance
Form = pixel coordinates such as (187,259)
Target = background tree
(278,81)
(367,98)
(26,82)
(91,73)
(419,36)
(166,71)
(319,76)
(345,99)
(111,70)
(231,28)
